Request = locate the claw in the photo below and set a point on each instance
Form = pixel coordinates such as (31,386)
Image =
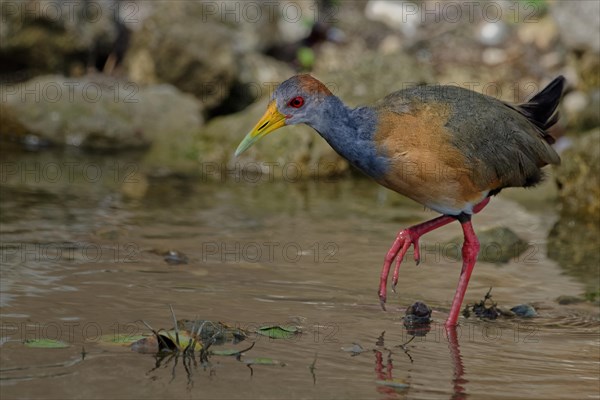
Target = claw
(416,252)
(382,302)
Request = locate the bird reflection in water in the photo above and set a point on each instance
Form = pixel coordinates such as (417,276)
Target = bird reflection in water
(417,323)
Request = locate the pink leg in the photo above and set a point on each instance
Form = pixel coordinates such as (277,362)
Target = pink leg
(479,206)
(470,250)
(402,243)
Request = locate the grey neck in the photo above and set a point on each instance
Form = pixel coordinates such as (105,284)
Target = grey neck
(351,134)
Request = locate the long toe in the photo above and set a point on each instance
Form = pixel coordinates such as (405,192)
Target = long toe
(382,301)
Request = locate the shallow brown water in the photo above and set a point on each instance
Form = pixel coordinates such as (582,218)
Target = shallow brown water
(80,259)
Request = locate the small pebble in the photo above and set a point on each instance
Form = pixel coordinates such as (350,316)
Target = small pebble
(175,258)
(418,313)
(355,350)
(524,310)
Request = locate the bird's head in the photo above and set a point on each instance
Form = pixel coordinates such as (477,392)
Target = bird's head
(295,101)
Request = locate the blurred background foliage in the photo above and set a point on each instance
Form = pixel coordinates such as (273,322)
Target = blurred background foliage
(180,82)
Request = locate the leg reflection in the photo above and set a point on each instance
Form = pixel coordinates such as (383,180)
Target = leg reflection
(458,380)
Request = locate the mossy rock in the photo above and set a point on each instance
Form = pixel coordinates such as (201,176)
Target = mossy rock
(497,245)
(578,177)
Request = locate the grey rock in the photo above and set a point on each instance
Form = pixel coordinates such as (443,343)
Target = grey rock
(103,113)
(55,36)
(578,23)
(197,58)
(497,245)
(195,45)
(573,240)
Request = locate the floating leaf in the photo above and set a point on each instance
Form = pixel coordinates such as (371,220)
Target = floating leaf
(225,352)
(393,384)
(278,332)
(45,344)
(263,361)
(231,352)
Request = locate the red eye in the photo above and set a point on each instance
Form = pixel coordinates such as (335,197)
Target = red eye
(296,102)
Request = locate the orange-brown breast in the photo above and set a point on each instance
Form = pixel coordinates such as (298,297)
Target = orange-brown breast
(424,165)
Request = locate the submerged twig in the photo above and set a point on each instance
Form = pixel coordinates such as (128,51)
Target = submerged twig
(405,349)
(238,355)
(199,337)
(174,367)
(312,367)
(175,326)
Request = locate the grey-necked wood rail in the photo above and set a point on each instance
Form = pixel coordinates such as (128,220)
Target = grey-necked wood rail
(445,147)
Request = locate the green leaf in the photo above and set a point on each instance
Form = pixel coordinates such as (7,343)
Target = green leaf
(45,344)
(393,384)
(263,361)
(231,352)
(278,332)
(226,352)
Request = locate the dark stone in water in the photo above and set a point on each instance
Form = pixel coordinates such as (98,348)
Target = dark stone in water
(524,310)
(417,319)
(419,311)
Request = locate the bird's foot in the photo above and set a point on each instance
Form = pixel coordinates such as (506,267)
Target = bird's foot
(404,240)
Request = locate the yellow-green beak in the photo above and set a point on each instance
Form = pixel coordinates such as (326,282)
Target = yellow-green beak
(269,122)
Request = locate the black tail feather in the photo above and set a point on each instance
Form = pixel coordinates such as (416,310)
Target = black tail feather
(541,108)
